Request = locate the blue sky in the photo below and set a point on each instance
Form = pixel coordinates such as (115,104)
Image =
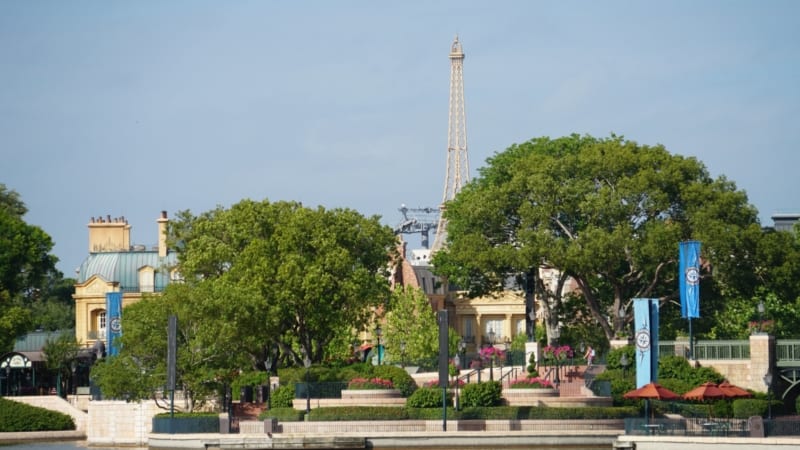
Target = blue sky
(131,108)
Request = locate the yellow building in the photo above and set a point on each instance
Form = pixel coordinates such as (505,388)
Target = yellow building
(115,265)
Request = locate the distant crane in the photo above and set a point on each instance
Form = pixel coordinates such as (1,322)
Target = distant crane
(421,220)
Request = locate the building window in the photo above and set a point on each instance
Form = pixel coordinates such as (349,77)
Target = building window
(494,326)
(469,333)
(101,324)
(520,327)
(147,279)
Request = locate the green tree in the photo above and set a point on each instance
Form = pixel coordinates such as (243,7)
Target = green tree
(209,317)
(60,354)
(411,321)
(25,264)
(607,213)
(315,274)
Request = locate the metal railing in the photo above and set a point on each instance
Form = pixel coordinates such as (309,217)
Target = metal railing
(694,426)
(723,350)
(787,352)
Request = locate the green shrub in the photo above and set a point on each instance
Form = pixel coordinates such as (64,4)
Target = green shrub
(282,414)
(532,372)
(748,407)
(400,378)
(17,417)
(432,413)
(428,398)
(487,393)
(341,413)
(282,397)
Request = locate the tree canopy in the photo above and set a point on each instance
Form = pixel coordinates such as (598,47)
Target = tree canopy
(315,275)
(606,212)
(28,277)
(263,283)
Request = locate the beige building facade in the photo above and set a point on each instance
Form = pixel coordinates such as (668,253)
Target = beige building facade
(115,264)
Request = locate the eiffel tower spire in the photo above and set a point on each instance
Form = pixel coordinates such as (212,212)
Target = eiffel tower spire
(457,161)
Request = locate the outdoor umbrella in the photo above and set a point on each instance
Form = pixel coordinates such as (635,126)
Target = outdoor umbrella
(733,391)
(706,391)
(651,390)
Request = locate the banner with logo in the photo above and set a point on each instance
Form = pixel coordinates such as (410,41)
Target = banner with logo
(114,317)
(690,279)
(645,318)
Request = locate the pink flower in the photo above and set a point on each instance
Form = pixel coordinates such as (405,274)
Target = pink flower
(531,383)
(370,383)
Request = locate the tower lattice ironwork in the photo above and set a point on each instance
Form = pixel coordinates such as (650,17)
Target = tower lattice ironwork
(457,160)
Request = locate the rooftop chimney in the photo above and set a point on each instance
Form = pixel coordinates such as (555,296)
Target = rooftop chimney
(107,235)
(162,234)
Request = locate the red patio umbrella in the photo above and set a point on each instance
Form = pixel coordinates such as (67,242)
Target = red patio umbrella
(733,391)
(652,390)
(706,391)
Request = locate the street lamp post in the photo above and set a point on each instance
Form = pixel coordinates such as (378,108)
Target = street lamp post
(457,363)
(461,347)
(768,383)
(623,361)
(556,336)
(378,334)
(491,355)
(74,366)
(532,318)
(307,364)
(760,315)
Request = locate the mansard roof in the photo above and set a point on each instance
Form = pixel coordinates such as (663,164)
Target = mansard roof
(124,267)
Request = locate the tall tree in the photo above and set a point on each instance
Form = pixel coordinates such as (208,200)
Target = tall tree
(412,331)
(25,265)
(212,320)
(607,212)
(316,274)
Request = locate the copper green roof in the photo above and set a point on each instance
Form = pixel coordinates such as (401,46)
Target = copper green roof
(123,268)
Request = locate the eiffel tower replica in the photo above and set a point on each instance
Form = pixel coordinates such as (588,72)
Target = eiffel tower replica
(457,161)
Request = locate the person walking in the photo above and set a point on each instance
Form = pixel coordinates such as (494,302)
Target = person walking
(589,356)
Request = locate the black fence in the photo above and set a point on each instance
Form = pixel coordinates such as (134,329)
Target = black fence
(699,426)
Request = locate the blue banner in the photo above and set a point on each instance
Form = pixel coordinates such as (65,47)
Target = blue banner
(690,279)
(114,317)
(645,315)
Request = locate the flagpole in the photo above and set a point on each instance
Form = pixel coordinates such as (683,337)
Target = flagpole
(691,341)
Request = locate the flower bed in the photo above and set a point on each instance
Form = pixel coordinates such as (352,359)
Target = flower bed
(531,383)
(363,384)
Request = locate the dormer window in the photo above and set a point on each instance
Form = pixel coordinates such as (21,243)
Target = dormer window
(147,279)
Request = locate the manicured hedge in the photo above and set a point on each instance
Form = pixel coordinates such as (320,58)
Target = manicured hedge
(16,417)
(428,398)
(341,413)
(487,393)
(283,414)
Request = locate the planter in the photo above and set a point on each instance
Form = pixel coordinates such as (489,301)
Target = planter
(366,394)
